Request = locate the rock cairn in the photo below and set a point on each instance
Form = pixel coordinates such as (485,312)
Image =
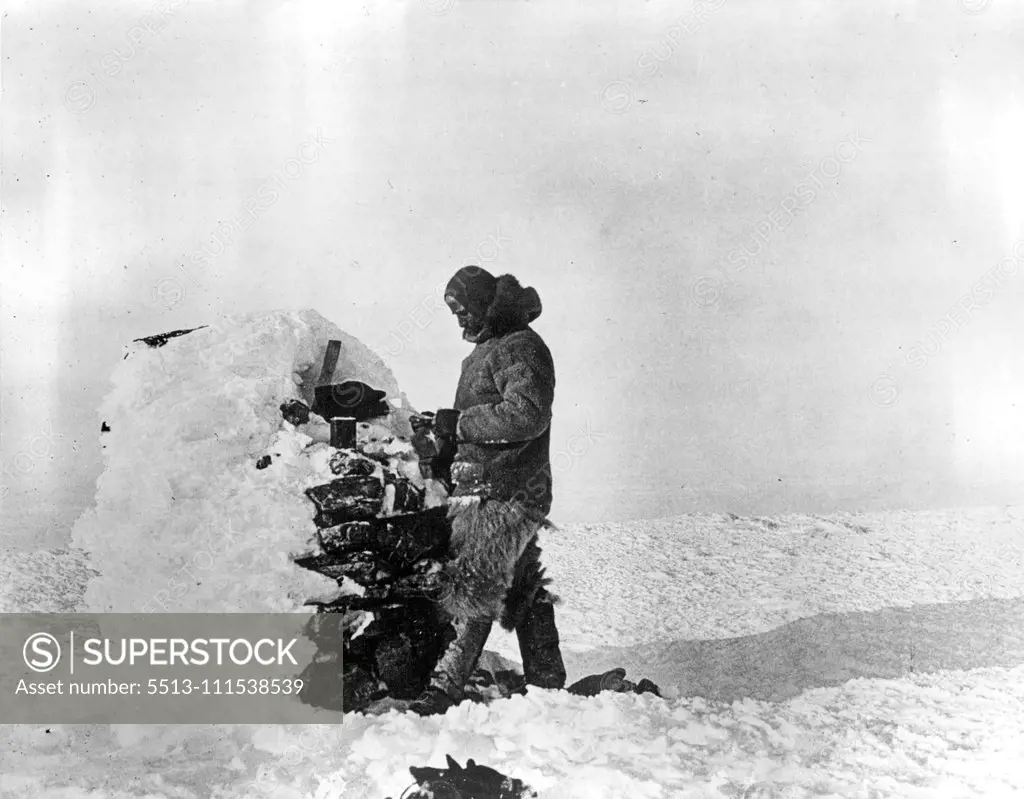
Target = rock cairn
(385,549)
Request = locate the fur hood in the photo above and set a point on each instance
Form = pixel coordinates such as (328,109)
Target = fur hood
(513,308)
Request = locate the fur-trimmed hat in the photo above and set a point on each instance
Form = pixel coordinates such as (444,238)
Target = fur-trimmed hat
(501,303)
(473,288)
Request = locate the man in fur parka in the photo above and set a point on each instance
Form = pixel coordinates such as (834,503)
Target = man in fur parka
(501,476)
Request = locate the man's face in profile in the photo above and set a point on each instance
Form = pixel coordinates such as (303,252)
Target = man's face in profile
(470,323)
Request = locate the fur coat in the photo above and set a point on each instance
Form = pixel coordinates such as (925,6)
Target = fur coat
(505,394)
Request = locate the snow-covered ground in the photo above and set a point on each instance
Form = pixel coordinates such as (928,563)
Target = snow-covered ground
(853,656)
(869,655)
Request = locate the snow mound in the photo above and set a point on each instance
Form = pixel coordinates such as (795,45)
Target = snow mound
(184,521)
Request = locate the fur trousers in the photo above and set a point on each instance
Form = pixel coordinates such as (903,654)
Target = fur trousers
(495,571)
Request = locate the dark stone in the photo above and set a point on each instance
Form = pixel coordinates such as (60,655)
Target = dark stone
(406,539)
(431,585)
(395,659)
(263,462)
(162,338)
(104,428)
(326,629)
(295,412)
(365,568)
(411,638)
(336,632)
(391,656)
(346,499)
(341,674)
(352,464)
(362,649)
(351,536)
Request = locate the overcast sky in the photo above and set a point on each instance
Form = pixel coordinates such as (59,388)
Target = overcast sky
(741,219)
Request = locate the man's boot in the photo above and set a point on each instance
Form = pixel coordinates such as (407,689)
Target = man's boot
(454,669)
(538,645)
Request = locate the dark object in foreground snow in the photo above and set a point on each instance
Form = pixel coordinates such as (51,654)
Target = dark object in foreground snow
(104,428)
(162,338)
(472,782)
(295,412)
(263,462)
(613,680)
